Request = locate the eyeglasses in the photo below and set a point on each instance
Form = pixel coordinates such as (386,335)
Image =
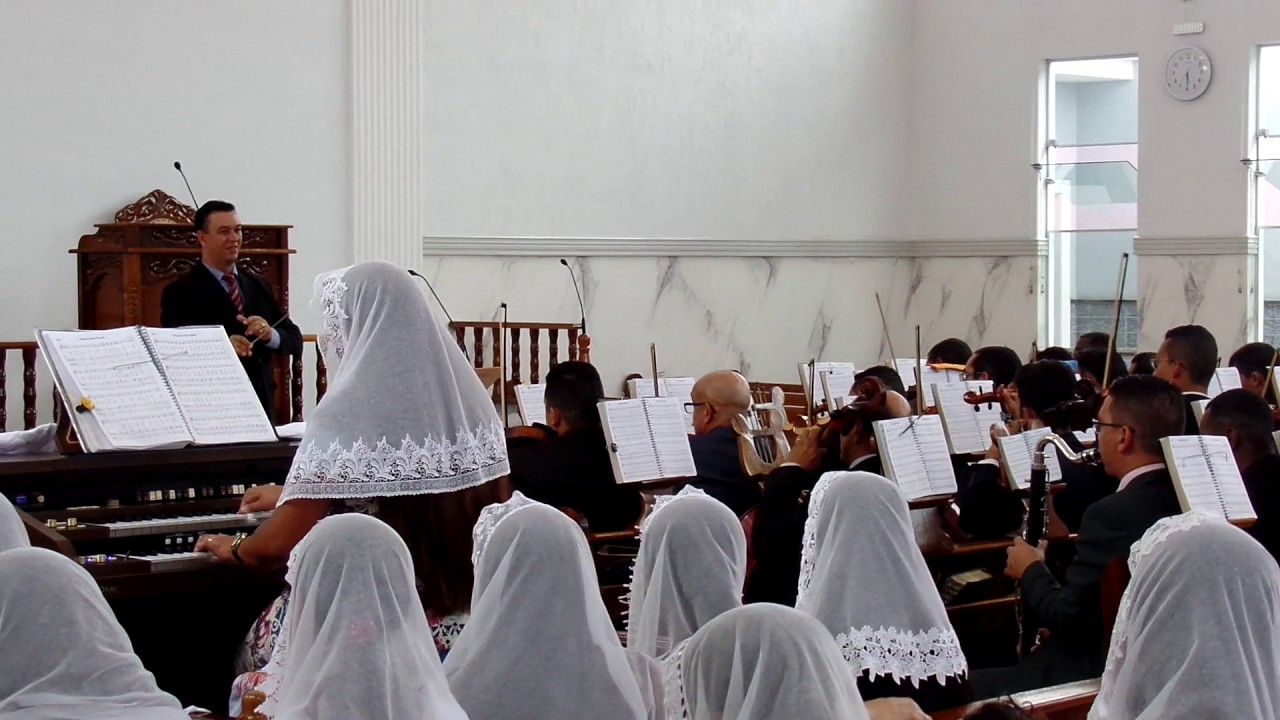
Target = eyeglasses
(690,407)
(1098,425)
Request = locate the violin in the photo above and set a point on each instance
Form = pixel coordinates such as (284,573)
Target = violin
(869,398)
(988,398)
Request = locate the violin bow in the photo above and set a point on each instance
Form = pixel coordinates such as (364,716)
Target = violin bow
(653,366)
(919,375)
(884,326)
(1115,321)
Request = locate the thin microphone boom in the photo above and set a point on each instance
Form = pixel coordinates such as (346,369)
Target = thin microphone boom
(416,274)
(178,166)
(582,307)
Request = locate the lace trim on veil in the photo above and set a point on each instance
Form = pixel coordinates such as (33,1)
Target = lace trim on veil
(673,684)
(384,470)
(903,654)
(809,546)
(489,519)
(332,290)
(658,503)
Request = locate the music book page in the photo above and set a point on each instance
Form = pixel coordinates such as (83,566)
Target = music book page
(1197,409)
(839,380)
(1017,451)
(209,382)
(675,387)
(647,439)
(1206,477)
(1224,379)
(968,427)
(908,368)
(133,408)
(531,400)
(915,455)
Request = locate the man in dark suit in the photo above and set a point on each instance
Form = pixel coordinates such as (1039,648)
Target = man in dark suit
(1187,358)
(1253,362)
(1138,411)
(1244,418)
(715,400)
(217,292)
(572,468)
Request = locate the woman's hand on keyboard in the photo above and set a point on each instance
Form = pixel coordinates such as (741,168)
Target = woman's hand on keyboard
(261,498)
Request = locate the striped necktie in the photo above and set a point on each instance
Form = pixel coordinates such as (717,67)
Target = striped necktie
(233,289)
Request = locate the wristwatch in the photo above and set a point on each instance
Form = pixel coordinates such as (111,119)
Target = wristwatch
(235,546)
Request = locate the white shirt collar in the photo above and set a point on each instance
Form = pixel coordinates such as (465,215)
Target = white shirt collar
(861,460)
(1199,395)
(1129,476)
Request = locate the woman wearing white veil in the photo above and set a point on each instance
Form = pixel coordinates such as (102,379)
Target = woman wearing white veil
(540,645)
(64,654)
(405,423)
(862,575)
(1198,631)
(690,568)
(355,642)
(13,534)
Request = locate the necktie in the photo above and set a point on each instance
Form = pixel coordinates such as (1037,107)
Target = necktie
(233,289)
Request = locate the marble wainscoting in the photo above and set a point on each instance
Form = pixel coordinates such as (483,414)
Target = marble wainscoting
(757,315)
(1207,281)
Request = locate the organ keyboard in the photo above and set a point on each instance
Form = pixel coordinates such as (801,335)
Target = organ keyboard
(132,519)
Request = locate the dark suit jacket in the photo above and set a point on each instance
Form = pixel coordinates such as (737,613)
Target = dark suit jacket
(198,298)
(573,471)
(1073,612)
(1262,480)
(720,472)
(1192,427)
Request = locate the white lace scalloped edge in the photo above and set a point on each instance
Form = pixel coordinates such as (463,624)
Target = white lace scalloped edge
(659,502)
(673,683)
(901,654)
(332,291)
(385,470)
(809,545)
(489,519)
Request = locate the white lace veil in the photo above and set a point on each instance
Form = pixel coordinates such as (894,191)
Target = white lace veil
(1197,632)
(690,568)
(762,662)
(405,413)
(64,654)
(13,534)
(355,641)
(539,644)
(862,575)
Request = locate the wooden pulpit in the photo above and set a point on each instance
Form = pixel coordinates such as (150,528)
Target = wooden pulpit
(123,267)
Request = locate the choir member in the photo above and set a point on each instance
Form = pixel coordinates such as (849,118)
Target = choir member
(715,400)
(1137,413)
(1245,419)
(1187,358)
(1253,362)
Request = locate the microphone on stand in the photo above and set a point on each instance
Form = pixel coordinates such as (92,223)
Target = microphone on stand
(416,274)
(573,276)
(178,166)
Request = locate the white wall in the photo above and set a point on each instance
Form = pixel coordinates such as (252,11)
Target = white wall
(100,98)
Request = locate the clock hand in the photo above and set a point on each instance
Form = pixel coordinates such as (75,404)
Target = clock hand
(1187,80)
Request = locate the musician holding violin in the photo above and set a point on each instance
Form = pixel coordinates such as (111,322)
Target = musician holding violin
(565,463)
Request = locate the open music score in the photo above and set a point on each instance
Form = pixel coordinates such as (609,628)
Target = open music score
(1206,477)
(531,402)
(968,427)
(154,387)
(839,378)
(910,368)
(1224,379)
(647,439)
(1016,453)
(680,388)
(914,454)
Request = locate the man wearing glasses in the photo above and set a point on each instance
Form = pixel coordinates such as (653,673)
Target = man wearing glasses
(1187,358)
(715,400)
(1138,412)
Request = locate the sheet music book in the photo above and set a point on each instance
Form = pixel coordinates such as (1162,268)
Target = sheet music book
(1017,452)
(676,387)
(1197,409)
(1206,477)
(909,369)
(647,439)
(1224,379)
(839,379)
(531,401)
(154,387)
(968,427)
(915,455)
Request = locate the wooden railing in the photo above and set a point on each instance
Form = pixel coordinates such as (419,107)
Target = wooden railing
(476,338)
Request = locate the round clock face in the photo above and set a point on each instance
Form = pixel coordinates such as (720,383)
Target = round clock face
(1187,73)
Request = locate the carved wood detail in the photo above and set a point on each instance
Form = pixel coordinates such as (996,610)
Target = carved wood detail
(157,207)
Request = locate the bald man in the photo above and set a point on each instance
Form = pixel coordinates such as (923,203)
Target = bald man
(716,399)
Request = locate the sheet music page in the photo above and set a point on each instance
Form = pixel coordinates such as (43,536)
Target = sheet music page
(667,423)
(1224,379)
(1206,476)
(632,451)
(916,454)
(640,387)
(1197,409)
(680,388)
(211,386)
(133,409)
(968,427)
(1017,451)
(531,400)
(906,367)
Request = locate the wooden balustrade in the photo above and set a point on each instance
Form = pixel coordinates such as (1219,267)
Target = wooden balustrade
(477,337)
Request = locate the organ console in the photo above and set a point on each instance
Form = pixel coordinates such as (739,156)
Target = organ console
(131,520)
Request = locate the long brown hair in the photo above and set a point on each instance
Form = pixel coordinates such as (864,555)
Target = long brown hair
(437,528)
